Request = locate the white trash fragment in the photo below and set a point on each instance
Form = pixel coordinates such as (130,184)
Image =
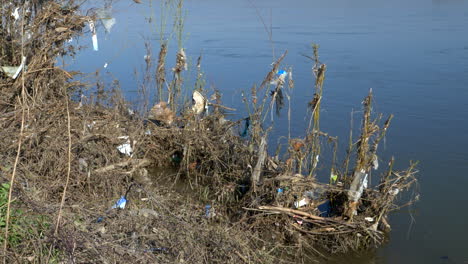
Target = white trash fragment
(15,14)
(316,161)
(91,125)
(105,65)
(125,148)
(105,15)
(394,191)
(358,185)
(23,62)
(369,219)
(301,203)
(82,164)
(92,27)
(14,71)
(375,162)
(148,132)
(199,102)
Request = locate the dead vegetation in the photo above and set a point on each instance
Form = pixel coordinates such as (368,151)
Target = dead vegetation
(69,161)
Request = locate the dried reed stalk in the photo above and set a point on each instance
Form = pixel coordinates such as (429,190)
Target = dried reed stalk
(22,102)
(161,69)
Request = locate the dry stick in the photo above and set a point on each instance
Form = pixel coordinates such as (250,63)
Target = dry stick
(12,180)
(137,163)
(62,202)
(23,112)
(292,211)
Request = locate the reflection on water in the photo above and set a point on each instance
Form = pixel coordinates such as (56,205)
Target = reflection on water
(414,55)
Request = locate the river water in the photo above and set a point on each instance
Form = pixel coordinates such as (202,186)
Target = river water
(414,55)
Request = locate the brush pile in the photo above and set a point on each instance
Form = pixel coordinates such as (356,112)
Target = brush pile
(197,189)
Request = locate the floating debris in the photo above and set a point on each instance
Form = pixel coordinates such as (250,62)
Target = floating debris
(105,15)
(92,27)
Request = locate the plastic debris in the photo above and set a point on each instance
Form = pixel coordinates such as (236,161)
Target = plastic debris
(120,204)
(91,125)
(280,77)
(300,221)
(369,219)
(199,102)
(358,185)
(92,27)
(105,65)
(15,14)
(394,191)
(302,202)
(209,211)
(125,148)
(14,71)
(82,164)
(333,177)
(245,132)
(105,15)
(280,190)
(375,162)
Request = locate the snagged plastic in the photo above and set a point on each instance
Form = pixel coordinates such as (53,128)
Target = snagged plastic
(120,203)
(375,162)
(209,212)
(245,132)
(333,177)
(125,148)
(199,102)
(280,77)
(394,191)
(15,14)
(358,185)
(14,71)
(301,203)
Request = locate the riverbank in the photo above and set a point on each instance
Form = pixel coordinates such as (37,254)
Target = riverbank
(79,175)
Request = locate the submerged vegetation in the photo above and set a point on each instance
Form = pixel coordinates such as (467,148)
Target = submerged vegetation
(193,189)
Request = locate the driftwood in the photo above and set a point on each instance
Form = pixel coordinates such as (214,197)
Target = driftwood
(134,162)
